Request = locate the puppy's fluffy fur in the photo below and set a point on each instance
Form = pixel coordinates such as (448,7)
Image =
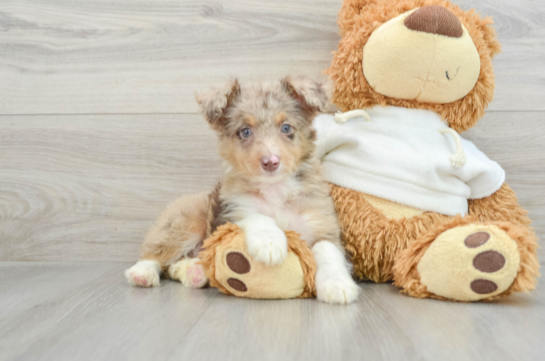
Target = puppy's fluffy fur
(255,122)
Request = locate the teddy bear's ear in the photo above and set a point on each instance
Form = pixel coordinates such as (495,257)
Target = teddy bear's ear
(215,102)
(312,95)
(349,11)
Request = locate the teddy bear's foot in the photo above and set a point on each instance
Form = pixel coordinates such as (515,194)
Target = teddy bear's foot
(243,276)
(231,268)
(189,272)
(470,262)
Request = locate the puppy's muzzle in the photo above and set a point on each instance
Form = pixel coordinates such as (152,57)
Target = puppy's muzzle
(270,164)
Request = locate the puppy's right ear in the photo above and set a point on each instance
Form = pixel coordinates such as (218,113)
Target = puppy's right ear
(214,104)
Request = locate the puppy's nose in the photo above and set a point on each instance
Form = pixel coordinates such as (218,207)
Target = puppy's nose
(270,164)
(435,20)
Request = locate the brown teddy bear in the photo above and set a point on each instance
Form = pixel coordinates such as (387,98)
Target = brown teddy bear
(417,203)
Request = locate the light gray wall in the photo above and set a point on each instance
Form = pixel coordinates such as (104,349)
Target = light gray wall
(98,125)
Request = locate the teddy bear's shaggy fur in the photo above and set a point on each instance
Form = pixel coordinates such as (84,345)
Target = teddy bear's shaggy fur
(385,248)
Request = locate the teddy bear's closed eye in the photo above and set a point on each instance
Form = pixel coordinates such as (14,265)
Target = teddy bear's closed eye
(451,76)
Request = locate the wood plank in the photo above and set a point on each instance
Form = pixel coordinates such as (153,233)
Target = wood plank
(515,141)
(86,188)
(144,56)
(520,73)
(88,312)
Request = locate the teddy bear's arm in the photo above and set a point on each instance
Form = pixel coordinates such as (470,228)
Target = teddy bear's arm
(500,206)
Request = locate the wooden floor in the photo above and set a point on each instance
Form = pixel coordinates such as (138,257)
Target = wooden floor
(74,311)
(98,131)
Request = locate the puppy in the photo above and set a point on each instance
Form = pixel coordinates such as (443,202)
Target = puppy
(271,183)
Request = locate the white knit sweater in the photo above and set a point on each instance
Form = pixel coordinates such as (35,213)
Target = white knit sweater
(399,154)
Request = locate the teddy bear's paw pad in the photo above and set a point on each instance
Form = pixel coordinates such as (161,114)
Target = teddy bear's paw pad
(476,239)
(238,263)
(237,285)
(189,272)
(144,274)
(489,261)
(470,263)
(483,287)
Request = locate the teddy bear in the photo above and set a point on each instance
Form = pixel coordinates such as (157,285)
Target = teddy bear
(418,204)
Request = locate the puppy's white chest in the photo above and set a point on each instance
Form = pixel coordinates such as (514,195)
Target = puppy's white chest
(284,205)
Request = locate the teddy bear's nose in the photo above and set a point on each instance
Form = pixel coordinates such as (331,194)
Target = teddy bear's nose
(435,20)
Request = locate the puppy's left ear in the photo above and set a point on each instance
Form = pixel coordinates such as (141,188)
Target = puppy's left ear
(214,104)
(312,95)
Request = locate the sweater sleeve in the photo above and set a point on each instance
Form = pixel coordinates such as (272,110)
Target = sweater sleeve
(485,175)
(324,125)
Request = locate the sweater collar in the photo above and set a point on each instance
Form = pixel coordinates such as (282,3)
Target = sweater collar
(403,118)
(418,118)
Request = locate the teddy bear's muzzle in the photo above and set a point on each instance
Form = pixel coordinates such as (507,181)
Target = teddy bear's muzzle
(424,54)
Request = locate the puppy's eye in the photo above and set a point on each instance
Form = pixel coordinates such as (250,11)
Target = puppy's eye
(245,133)
(286,129)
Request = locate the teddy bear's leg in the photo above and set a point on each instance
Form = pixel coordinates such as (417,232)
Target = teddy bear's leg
(464,260)
(189,272)
(230,267)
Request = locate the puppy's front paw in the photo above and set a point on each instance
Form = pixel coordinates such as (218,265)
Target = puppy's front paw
(331,288)
(144,274)
(267,244)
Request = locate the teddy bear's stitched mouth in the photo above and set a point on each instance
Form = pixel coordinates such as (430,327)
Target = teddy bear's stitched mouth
(452,77)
